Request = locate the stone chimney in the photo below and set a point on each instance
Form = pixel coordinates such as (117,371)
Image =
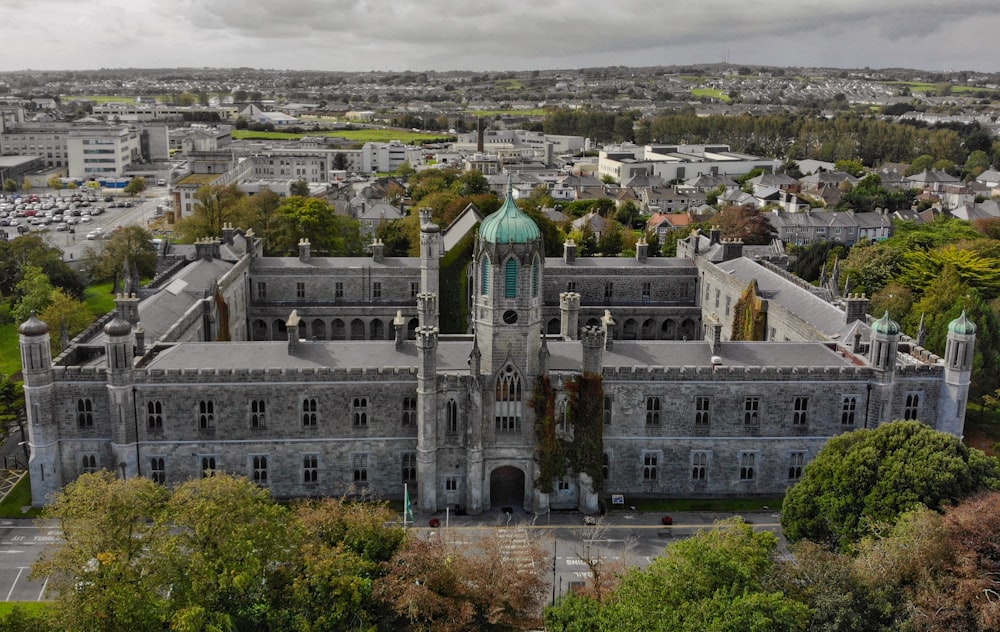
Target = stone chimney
(292,325)
(378,251)
(593,350)
(304,248)
(732,249)
(608,324)
(714,333)
(569,315)
(715,236)
(128,307)
(856,309)
(207,248)
(399,325)
(140,340)
(641,250)
(569,251)
(227,233)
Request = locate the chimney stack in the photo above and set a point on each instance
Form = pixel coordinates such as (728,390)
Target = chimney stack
(569,251)
(304,248)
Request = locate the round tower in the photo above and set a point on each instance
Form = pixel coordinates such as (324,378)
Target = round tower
(39,401)
(882,358)
(958,356)
(119,351)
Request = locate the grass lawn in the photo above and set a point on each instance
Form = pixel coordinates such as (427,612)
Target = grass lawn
(99,299)
(30,607)
(710,92)
(10,353)
(99,99)
(18,498)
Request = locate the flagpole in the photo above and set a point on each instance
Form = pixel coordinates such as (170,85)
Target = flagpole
(406,502)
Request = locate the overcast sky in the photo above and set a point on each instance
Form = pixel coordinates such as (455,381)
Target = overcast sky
(359,35)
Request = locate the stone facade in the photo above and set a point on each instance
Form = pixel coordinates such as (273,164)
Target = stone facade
(308,409)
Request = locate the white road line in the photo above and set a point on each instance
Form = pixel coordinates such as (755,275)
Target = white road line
(44,586)
(20,570)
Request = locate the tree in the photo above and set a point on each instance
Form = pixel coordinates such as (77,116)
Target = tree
(31,250)
(750,225)
(314,219)
(10,185)
(135,186)
(12,412)
(471,183)
(434,584)
(299,187)
(64,310)
(227,543)
(35,292)
(104,575)
(215,206)
(131,245)
(854,167)
(55,182)
(866,477)
(330,583)
(715,580)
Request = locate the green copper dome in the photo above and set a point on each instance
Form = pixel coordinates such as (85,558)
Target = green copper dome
(962,326)
(886,326)
(509,225)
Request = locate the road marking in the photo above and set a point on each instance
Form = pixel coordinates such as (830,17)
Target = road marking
(20,570)
(44,586)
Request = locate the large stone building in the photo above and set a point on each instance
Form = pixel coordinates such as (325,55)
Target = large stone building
(320,376)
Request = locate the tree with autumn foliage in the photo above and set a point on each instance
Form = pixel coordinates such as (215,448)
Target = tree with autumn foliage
(748,224)
(434,584)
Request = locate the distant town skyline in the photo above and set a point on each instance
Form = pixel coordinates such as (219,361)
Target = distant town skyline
(398,35)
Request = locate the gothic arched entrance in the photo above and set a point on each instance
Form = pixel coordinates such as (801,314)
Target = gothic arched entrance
(507,487)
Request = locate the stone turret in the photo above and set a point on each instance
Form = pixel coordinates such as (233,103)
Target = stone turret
(569,313)
(399,329)
(39,399)
(958,355)
(592,339)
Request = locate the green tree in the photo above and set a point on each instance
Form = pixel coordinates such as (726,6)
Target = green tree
(314,219)
(225,549)
(130,244)
(62,310)
(13,415)
(299,187)
(31,250)
(854,167)
(715,580)
(471,183)
(55,182)
(105,575)
(135,186)
(215,206)
(10,185)
(867,477)
(35,292)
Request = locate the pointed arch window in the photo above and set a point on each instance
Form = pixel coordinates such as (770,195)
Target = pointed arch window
(510,278)
(508,404)
(485,274)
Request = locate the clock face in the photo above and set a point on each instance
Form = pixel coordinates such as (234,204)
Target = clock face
(510,317)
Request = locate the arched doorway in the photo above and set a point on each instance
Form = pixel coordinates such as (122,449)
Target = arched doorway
(507,487)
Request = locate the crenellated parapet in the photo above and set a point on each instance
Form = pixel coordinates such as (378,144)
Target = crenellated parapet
(722,373)
(276,375)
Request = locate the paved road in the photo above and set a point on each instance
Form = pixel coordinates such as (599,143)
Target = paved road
(21,544)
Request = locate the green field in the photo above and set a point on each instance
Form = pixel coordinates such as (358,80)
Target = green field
(711,93)
(510,84)
(99,99)
(10,353)
(357,135)
(99,299)
(924,86)
(31,607)
(17,499)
